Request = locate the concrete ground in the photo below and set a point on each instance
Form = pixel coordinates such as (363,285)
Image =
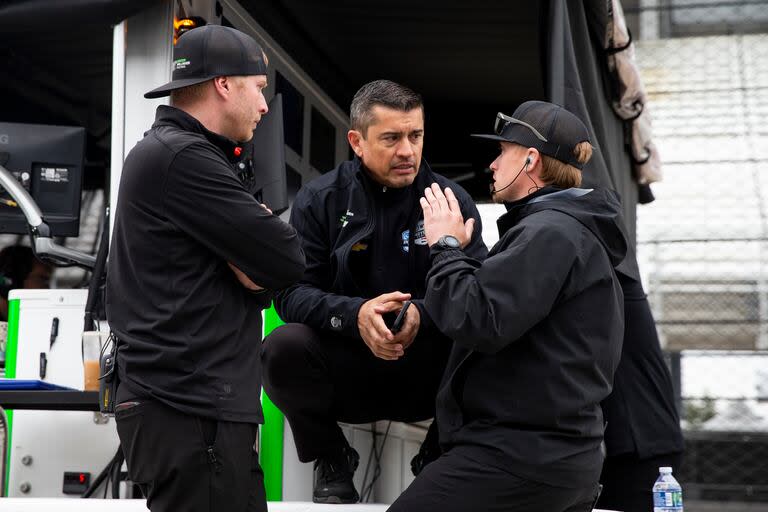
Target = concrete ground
(724,506)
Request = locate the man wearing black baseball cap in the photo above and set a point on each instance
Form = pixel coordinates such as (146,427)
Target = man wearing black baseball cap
(537,328)
(194,258)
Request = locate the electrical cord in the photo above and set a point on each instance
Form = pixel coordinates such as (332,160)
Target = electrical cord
(105,474)
(97,276)
(115,477)
(367,488)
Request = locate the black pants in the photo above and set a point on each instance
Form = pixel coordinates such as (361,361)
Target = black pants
(188,463)
(627,481)
(458,482)
(317,381)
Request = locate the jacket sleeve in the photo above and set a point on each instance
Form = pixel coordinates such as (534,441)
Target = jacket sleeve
(307,302)
(475,249)
(486,306)
(204,198)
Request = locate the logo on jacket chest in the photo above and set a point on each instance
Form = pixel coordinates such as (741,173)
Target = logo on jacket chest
(419,238)
(344,219)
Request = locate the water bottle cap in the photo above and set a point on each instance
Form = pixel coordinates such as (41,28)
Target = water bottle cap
(665,470)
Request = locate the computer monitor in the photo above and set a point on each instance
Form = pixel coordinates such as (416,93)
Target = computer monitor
(48,162)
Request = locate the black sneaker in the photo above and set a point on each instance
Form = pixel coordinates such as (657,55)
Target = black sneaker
(333,478)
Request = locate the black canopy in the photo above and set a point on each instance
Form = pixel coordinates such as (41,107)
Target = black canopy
(468,59)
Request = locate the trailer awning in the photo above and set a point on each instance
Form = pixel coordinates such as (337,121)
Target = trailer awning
(41,16)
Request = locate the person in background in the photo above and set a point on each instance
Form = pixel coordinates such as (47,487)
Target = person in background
(643,427)
(19,268)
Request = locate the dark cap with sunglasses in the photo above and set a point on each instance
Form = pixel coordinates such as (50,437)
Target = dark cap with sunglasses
(545,126)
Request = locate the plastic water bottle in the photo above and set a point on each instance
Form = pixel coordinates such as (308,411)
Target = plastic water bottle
(667,493)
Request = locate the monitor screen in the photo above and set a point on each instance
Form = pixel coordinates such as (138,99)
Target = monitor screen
(48,162)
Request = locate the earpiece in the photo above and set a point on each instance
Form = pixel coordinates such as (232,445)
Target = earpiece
(528,161)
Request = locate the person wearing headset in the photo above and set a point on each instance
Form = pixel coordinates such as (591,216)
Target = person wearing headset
(537,328)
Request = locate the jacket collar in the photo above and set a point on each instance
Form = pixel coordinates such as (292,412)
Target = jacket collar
(172,116)
(516,209)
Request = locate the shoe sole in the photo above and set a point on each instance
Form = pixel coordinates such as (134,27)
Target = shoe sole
(335,500)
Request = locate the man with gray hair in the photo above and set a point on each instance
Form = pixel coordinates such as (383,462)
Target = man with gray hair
(362,232)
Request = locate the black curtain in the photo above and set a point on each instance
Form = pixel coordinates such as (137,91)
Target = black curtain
(576,78)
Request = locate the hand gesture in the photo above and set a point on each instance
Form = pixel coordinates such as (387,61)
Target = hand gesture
(442,216)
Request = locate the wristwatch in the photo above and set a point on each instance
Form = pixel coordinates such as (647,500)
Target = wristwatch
(448,242)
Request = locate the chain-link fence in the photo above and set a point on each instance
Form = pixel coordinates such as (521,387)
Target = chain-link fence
(703,244)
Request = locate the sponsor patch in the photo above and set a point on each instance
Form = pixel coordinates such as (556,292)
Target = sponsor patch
(420,238)
(344,219)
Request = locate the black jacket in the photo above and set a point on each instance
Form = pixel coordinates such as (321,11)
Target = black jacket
(334,212)
(640,414)
(189,331)
(537,332)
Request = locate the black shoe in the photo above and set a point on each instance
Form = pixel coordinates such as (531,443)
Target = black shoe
(333,478)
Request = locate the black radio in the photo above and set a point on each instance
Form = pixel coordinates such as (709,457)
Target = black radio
(108,377)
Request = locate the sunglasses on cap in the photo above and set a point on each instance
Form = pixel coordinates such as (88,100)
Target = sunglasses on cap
(503,121)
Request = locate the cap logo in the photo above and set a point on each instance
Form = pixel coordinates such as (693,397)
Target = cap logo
(211,50)
(181,64)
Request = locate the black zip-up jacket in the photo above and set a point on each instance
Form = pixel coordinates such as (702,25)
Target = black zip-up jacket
(640,414)
(334,212)
(537,332)
(189,331)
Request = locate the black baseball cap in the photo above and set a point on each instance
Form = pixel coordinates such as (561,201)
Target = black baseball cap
(209,51)
(545,126)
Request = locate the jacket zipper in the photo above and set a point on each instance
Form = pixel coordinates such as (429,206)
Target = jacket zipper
(347,248)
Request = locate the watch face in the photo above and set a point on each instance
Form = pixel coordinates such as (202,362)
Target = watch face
(450,241)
